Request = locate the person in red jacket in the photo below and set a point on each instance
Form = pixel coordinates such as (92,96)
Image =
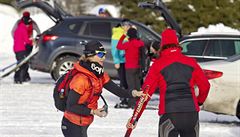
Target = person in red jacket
(132,56)
(176,76)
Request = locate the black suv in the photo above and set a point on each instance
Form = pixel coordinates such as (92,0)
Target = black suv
(62,44)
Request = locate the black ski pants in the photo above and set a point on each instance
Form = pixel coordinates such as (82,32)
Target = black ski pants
(72,130)
(122,76)
(185,124)
(134,82)
(22,73)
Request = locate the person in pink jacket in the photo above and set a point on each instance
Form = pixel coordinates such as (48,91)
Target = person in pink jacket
(21,40)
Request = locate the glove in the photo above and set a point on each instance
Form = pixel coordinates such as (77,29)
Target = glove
(136,93)
(29,48)
(99,112)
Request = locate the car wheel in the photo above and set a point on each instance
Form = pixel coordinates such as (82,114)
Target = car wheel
(238,110)
(63,65)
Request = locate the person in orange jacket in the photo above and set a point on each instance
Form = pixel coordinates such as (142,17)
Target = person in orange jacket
(176,76)
(85,90)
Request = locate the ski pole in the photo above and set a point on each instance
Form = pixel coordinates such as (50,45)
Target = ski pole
(8,66)
(138,111)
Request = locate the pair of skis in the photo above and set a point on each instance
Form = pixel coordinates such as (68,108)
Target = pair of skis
(138,110)
(15,66)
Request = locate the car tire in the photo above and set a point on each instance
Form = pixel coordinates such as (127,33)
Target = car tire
(63,65)
(238,110)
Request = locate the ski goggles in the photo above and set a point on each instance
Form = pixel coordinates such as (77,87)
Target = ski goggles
(100,54)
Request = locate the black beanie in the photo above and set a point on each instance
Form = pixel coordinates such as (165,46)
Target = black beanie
(132,33)
(91,47)
(156,45)
(26,20)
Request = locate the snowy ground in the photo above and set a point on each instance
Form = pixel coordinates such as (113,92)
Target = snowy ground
(27,110)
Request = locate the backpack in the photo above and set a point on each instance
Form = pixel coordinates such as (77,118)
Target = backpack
(61,90)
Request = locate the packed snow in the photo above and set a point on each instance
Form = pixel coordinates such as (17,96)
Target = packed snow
(27,110)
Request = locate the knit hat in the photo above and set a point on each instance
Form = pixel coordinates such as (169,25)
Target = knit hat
(126,22)
(132,33)
(169,37)
(156,45)
(91,47)
(101,10)
(26,14)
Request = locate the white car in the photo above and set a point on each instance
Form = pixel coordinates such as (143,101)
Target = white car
(224,95)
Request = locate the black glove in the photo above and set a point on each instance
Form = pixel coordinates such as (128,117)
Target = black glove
(29,48)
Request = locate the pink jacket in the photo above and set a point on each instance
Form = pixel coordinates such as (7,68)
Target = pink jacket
(21,38)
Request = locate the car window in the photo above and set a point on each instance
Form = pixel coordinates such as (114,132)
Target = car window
(98,29)
(145,35)
(228,48)
(214,49)
(194,47)
(75,28)
(237,46)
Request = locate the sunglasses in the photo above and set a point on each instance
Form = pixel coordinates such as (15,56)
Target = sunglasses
(101,54)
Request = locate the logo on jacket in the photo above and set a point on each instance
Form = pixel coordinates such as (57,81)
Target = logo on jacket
(97,68)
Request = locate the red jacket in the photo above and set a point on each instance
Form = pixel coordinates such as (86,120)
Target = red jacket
(132,53)
(176,75)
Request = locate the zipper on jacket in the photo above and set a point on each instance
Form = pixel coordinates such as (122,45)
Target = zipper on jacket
(80,119)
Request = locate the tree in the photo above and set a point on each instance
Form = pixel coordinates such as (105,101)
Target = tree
(8,2)
(130,10)
(190,14)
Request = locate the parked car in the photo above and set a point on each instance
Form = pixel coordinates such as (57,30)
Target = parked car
(224,74)
(61,45)
(209,47)
(224,96)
